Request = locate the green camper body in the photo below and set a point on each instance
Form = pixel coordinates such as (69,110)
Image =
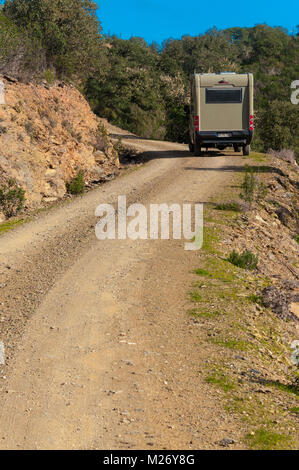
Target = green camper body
(221,111)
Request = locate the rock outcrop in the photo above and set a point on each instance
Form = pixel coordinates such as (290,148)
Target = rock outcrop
(48,134)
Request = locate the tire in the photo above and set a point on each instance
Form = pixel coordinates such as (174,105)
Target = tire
(197,149)
(191,147)
(237,148)
(246,150)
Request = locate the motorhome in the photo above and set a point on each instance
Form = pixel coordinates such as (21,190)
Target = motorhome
(221,112)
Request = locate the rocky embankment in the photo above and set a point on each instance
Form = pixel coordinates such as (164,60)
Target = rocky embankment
(48,134)
(271,229)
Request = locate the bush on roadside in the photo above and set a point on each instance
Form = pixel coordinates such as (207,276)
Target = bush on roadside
(228,206)
(248,186)
(49,76)
(253,189)
(12,198)
(245,260)
(76,184)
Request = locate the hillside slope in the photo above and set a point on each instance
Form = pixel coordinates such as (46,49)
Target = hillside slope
(48,134)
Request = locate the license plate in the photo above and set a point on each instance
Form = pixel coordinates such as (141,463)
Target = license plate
(223,134)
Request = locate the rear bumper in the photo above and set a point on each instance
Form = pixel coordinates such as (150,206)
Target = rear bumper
(213,139)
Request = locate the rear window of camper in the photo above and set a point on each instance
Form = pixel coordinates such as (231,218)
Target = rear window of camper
(223,96)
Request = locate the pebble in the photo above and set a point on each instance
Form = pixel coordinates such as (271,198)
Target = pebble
(226,442)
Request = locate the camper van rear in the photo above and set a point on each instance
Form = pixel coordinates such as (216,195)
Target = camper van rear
(221,112)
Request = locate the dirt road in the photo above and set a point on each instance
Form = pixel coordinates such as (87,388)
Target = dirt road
(100,352)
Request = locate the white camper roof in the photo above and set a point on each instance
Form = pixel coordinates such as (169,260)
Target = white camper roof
(214,79)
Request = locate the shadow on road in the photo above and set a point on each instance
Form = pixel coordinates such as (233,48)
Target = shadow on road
(159,154)
(255,168)
(126,136)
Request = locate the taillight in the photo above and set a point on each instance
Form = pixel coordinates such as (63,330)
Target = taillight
(196,123)
(251,122)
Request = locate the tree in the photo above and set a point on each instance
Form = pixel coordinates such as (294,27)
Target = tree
(68,30)
(278,126)
(20,55)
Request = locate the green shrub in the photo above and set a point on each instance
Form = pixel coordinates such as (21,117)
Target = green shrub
(12,198)
(49,76)
(295,410)
(248,185)
(202,272)
(76,184)
(245,260)
(228,206)
(195,297)
(256,299)
(221,380)
(253,190)
(278,125)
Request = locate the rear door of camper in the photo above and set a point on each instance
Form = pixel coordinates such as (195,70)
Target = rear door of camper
(225,102)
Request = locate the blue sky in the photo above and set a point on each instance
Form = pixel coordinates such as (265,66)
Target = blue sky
(155,20)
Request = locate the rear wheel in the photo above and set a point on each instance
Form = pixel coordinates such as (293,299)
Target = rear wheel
(191,147)
(237,148)
(197,149)
(246,150)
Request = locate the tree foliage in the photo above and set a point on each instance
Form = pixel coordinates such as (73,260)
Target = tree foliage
(144,85)
(68,30)
(278,125)
(20,55)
